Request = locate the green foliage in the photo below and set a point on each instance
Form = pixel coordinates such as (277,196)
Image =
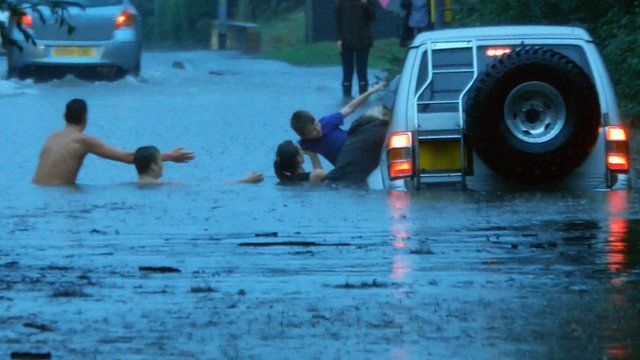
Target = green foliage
(16,10)
(263,10)
(283,32)
(187,23)
(614,25)
(384,54)
(177,22)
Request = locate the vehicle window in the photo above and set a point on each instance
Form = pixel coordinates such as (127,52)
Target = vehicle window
(98,3)
(85,3)
(449,78)
(452,73)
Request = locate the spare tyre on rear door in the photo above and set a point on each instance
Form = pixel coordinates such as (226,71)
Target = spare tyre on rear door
(533,116)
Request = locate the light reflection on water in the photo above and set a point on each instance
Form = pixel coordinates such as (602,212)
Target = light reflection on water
(399,207)
(621,246)
(619,262)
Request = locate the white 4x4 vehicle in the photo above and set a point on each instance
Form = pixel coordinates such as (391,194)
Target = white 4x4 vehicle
(514,106)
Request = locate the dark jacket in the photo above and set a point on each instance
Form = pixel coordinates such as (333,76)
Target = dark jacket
(353,23)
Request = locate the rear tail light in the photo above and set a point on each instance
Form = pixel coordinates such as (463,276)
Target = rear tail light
(399,155)
(498,51)
(26,20)
(618,163)
(400,169)
(616,133)
(617,149)
(125,19)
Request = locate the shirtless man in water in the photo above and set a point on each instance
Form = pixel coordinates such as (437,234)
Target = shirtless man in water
(65,150)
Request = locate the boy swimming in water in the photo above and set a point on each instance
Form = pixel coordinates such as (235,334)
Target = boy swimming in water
(148,163)
(64,151)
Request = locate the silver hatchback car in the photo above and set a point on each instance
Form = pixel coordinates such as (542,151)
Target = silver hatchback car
(106,34)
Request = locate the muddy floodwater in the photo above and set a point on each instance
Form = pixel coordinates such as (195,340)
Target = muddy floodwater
(202,269)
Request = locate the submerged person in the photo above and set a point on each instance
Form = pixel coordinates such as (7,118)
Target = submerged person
(148,163)
(358,158)
(64,151)
(288,165)
(325,136)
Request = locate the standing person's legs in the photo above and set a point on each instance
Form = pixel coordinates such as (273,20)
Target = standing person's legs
(362,63)
(347,71)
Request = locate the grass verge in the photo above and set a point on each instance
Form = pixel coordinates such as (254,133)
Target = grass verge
(284,39)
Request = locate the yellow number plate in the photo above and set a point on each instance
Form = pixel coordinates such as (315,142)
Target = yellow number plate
(83,52)
(440,155)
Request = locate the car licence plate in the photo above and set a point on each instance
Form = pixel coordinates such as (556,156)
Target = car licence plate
(74,51)
(440,155)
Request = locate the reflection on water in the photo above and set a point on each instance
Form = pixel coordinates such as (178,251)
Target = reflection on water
(622,253)
(622,238)
(399,206)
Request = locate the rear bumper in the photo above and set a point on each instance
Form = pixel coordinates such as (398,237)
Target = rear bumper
(590,175)
(123,53)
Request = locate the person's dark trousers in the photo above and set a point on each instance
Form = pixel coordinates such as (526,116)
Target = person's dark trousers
(361,57)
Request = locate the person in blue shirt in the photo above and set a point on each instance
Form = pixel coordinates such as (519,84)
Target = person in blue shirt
(358,159)
(326,137)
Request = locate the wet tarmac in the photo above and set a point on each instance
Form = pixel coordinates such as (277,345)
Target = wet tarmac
(204,269)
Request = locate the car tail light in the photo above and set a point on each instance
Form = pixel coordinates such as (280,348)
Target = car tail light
(399,155)
(26,20)
(400,169)
(498,51)
(616,133)
(617,149)
(125,19)
(618,162)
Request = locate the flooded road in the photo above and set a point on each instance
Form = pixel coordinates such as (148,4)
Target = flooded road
(203,269)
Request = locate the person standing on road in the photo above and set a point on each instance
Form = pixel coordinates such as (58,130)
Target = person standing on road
(419,19)
(353,20)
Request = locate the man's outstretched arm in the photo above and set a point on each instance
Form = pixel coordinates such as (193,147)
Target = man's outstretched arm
(179,155)
(96,146)
(357,102)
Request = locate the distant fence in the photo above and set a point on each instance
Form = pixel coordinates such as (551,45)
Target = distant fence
(321,26)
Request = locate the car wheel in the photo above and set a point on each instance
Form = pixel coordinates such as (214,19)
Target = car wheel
(533,116)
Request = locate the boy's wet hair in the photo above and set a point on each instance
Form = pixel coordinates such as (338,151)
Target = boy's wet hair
(144,157)
(76,112)
(302,120)
(286,164)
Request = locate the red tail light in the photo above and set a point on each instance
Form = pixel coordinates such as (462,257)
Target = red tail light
(617,149)
(125,19)
(399,155)
(26,20)
(400,169)
(618,162)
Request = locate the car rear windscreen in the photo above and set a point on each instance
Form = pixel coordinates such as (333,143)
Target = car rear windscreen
(98,3)
(85,3)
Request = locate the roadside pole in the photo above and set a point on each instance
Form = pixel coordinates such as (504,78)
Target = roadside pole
(222,24)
